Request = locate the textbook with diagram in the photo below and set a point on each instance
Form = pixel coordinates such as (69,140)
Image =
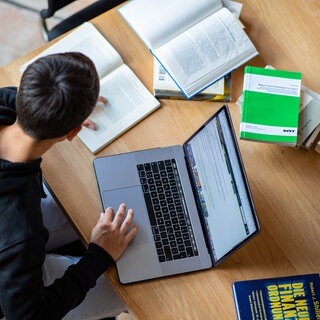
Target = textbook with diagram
(128,100)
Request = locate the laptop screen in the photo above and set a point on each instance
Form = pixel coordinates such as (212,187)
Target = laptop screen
(220,185)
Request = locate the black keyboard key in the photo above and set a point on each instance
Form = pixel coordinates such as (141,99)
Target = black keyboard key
(155,230)
(175,220)
(163,174)
(145,188)
(183,255)
(187,243)
(179,241)
(161,165)
(176,227)
(163,203)
(169,200)
(175,251)
(178,234)
(163,235)
(154,167)
(185,236)
(165,210)
(173,243)
(147,167)
(171,237)
(160,221)
(170,230)
(165,242)
(150,209)
(189,252)
(167,252)
(168,223)
(159,189)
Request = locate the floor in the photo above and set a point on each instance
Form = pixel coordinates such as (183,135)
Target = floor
(20,28)
(20,33)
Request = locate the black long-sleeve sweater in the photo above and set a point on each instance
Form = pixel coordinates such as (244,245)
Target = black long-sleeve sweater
(22,243)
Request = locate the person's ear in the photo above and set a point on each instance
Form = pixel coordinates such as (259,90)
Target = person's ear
(73,132)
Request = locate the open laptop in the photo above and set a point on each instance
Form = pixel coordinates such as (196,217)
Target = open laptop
(192,202)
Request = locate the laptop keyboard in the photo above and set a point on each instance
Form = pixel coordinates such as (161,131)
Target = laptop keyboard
(170,222)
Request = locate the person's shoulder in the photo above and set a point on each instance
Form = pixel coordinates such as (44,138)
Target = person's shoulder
(7,95)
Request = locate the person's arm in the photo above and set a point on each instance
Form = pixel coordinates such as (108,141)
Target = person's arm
(25,295)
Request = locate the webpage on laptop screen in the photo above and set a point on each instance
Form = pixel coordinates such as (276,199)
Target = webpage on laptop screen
(220,186)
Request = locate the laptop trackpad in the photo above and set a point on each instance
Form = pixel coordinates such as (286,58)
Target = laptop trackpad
(134,199)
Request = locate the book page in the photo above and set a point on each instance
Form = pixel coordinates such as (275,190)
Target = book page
(128,102)
(162,81)
(206,52)
(89,41)
(156,22)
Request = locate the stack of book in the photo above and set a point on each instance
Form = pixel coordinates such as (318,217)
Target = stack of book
(165,88)
(309,118)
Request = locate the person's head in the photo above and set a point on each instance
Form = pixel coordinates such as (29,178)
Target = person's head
(56,94)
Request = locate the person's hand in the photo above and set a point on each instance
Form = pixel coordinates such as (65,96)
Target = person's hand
(111,231)
(89,123)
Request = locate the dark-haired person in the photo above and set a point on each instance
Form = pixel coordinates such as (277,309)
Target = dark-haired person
(56,95)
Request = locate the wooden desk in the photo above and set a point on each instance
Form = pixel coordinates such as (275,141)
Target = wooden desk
(285,182)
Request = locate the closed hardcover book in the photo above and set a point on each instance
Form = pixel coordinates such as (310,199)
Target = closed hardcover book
(270,109)
(291,297)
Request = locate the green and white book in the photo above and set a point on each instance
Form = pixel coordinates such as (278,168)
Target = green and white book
(270,109)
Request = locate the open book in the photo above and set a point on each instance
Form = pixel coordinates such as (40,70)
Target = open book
(128,100)
(197,42)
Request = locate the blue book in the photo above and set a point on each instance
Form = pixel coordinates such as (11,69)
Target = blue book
(280,298)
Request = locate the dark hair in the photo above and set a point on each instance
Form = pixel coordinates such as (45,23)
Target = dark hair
(56,94)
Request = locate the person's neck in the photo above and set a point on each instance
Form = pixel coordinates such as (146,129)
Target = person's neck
(17,146)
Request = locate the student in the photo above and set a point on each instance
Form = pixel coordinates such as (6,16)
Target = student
(56,95)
